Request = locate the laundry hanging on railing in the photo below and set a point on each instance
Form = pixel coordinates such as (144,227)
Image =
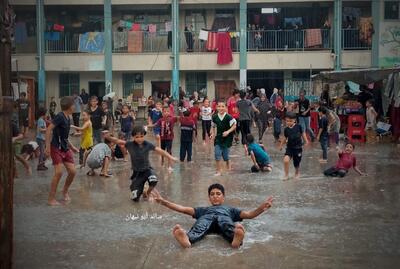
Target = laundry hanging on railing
(168,26)
(212,41)
(58,27)
(203,35)
(135,41)
(120,40)
(313,38)
(52,36)
(91,42)
(224,49)
(366,30)
(136,27)
(152,28)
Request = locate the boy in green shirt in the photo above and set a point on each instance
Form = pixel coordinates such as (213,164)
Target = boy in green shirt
(224,126)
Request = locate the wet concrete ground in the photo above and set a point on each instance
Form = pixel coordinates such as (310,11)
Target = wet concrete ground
(315,222)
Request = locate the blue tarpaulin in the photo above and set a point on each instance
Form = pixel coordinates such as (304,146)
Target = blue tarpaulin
(91,42)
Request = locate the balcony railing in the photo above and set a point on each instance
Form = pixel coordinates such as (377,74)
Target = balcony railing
(352,40)
(268,40)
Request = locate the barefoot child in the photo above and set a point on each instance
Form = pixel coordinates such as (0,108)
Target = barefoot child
(86,137)
(139,150)
(206,119)
(323,135)
(60,149)
(188,134)
(260,158)
(216,218)
(100,157)
(127,122)
(345,162)
(17,136)
(223,131)
(294,144)
(41,139)
(154,115)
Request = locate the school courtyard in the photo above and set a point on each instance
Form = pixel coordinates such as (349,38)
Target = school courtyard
(315,222)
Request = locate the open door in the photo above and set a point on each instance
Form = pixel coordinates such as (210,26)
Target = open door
(160,88)
(224,89)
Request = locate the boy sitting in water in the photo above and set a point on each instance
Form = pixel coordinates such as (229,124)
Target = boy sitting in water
(216,218)
(260,158)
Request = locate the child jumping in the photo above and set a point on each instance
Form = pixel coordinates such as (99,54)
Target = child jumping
(216,218)
(223,131)
(345,162)
(60,149)
(86,137)
(294,144)
(260,158)
(139,150)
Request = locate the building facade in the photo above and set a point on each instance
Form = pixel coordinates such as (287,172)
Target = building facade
(285,42)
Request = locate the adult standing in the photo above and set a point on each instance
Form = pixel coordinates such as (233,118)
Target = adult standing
(85,99)
(304,114)
(273,97)
(245,107)
(78,108)
(23,113)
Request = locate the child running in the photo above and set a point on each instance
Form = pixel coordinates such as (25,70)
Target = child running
(86,137)
(294,144)
(217,218)
(188,134)
(100,157)
(139,150)
(61,150)
(260,158)
(223,130)
(206,119)
(41,139)
(345,162)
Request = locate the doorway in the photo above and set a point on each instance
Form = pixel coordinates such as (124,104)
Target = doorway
(267,80)
(160,88)
(224,89)
(97,88)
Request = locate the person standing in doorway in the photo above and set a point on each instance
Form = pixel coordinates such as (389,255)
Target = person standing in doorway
(78,108)
(96,116)
(85,99)
(304,114)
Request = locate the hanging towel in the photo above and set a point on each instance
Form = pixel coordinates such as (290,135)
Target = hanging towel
(224,49)
(168,26)
(91,42)
(203,35)
(313,38)
(52,36)
(212,41)
(58,27)
(152,28)
(136,27)
(120,40)
(135,41)
(21,34)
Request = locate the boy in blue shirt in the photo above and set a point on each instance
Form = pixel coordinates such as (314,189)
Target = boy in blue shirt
(260,158)
(217,218)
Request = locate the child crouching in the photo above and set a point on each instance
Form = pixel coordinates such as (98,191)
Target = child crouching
(259,156)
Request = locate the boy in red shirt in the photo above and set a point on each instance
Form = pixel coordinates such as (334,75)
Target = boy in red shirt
(195,113)
(166,126)
(234,111)
(345,162)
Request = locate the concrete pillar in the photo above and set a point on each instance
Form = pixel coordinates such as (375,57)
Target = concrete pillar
(175,49)
(108,46)
(40,27)
(243,43)
(337,29)
(376,15)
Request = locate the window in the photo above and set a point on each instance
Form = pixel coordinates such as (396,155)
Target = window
(132,83)
(68,84)
(196,82)
(392,10)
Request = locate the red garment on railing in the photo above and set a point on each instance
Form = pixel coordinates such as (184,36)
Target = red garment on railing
(313,37)
(224,48)
(212,41)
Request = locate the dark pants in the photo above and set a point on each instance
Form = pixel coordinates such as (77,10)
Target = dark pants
(324,146)
(335,172)
(206,124)
(42,157)
(262,126)
(244,130)
(186,147)
(75,118)
(277,127)
(208,224)
(138,181)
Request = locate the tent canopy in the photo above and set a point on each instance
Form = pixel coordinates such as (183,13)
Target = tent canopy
(359,76)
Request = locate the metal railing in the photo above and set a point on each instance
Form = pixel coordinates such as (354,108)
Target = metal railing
(351,40)
(267,40)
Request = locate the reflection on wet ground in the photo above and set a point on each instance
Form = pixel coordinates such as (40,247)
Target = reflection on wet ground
(316,222)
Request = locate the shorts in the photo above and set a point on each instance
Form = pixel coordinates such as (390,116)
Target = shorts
(295,155)
(58,156)
(212,224)
(221,152)
(156,131)
(138,181)
(94,164)
(166,145)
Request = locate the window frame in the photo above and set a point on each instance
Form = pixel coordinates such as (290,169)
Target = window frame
(196,84)
(384,10)
(72,84)
(130,78)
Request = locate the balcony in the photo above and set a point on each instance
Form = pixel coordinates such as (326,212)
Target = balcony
(352,40)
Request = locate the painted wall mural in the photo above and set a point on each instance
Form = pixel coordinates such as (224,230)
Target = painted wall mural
(389,49)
